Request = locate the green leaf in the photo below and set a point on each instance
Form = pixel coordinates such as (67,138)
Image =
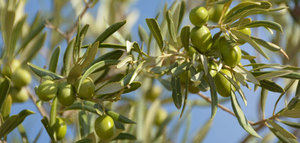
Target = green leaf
(31,51)
(271,86)
(143,34)
(53,112)
(292,113)
(263,100)
(89,55)
(291,124)
(113,55)
(109,31)
(214,96)
(54,60)
(43,72)
(86,106)
(241,117)
(132,87)
(35,29)
(109,89)
(125,136)
(247,75)
(85,125)
(129,78)
(202,132)
(247,38)
(16,34)
(181,13)
(171,26)
(176,92)
(292,75)
(155,30)
(48,128)
(95,67)
(67,61)
(119,117)
(4,90)
(185,37)
(273,74)
(281,133)
(265,23)
(13,121)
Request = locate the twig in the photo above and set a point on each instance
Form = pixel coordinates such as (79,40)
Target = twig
(230,112)
(51,26)
(219,105)
(40,108)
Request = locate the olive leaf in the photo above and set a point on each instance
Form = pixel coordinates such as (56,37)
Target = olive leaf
(13,121)
(155,30)
(281,133)
(176,91)
(43,72)
(241,117)
(54,60)
(109,31)
(4,90)
(185,37)
(125,136)
(171,26)
(67,60)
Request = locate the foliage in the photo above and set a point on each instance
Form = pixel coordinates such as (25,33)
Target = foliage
(93,74)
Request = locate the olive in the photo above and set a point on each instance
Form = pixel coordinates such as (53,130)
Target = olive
(215,12)
(231,54)
(66,95)
(153,93)
(87,88)
(193,89)
(222,84)
(104,127)
(198,16)
(9,68)
(201,38)
(212,68)
(246,31)
(47,90)
(21,77)
(19,95)
(60,128)
(160,116)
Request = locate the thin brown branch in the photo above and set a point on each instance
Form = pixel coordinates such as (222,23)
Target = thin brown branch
(40,108)
(53,27)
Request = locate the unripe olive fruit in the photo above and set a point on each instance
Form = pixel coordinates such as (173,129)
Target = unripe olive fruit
(246,31)
(9,68)
(104,127)
(212,68)
(201,38)
(87,88)
(21,77)
(198,16)
(60,128)
(222,84)
(231,53)
(161,116)
(66,94)
(153,93)
(19,95)
(47,90)
(193,89)
(215,12)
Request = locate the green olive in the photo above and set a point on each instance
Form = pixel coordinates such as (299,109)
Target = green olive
(60,128)
(222,84)
(246,31)
(66,95)
(231,54)
(47,90)
(154,92)
(215,12)
(87,88)
(199,16)
(19,95)
(9,68)
(161,116)
(105,127)
(21,77)
(193,89)
(201,38)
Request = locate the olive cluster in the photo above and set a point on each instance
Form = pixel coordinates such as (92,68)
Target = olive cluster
(20,78)
(66,95)
(65,92)
(227,50)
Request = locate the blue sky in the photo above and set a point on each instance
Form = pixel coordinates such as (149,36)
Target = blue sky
(225,127)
